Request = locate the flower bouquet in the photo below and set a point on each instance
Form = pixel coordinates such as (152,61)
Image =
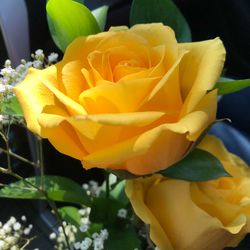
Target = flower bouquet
(137,103)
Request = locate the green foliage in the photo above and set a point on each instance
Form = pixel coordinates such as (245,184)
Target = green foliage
(57,188)
(101,16)
(227,85)
(71,215)
(128,236)
(104,210)
(164,11)
(199,165)
(11,106)
(68,20)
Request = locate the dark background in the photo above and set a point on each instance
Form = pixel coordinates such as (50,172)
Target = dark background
(228,19)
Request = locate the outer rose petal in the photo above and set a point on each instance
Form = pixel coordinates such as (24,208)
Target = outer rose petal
(217,211)
(199,70)
(34,96)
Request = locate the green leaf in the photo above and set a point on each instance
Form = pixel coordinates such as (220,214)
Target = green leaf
(11,107)
(129,238)
(101,16)
(68,20)
(58,189)
(227,85)
(118,193)
(70,215)
(104,210)
(164,11)
(199,165)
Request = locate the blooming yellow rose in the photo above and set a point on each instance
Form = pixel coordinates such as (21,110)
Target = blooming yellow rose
(186,215)
(131,99)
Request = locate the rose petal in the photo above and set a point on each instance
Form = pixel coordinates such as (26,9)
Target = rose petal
(175,198)
(124,96)
(199,70)
(135,191)
(151,150)
(34,96)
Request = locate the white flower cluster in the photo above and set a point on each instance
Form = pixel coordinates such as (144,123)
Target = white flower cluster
(84,213)
(70,231)
(14,235)
(92,188)
(9,76)
(96,242)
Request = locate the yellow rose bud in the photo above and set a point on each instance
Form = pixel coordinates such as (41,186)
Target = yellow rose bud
(130,99)
(186,215)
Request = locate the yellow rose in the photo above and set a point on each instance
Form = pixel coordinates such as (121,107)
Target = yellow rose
(131,99)
(186,215)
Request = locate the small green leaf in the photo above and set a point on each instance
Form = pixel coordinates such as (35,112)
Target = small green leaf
(163,11)
(58,189)
(101,16)
(227,85)
(129,238)
(118,193)
(70,215)
(104,210)
(11,107)
(67,20)
(199,165)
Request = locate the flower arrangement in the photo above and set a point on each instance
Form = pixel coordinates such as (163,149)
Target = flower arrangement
(136,103)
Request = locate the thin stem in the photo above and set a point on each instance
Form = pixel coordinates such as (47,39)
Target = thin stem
(27,242)
(41,160)
(5,138)
(18,157)
(107,185)
(54,207)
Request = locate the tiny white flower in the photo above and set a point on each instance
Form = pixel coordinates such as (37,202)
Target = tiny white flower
(85,220)
(104,234)
(85,186)
(122,213)
(52,57)
(39,52)
(7,63)
(2,244)
(26,231)
(84,228)
(17,226)
(95,236)
(37,64)
(23,218)
(60,229)
(11,240)
(77,245)
(52,236)
(6,228)
(98,244)
(86,243)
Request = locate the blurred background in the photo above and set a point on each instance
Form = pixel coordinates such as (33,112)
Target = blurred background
(27,23)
